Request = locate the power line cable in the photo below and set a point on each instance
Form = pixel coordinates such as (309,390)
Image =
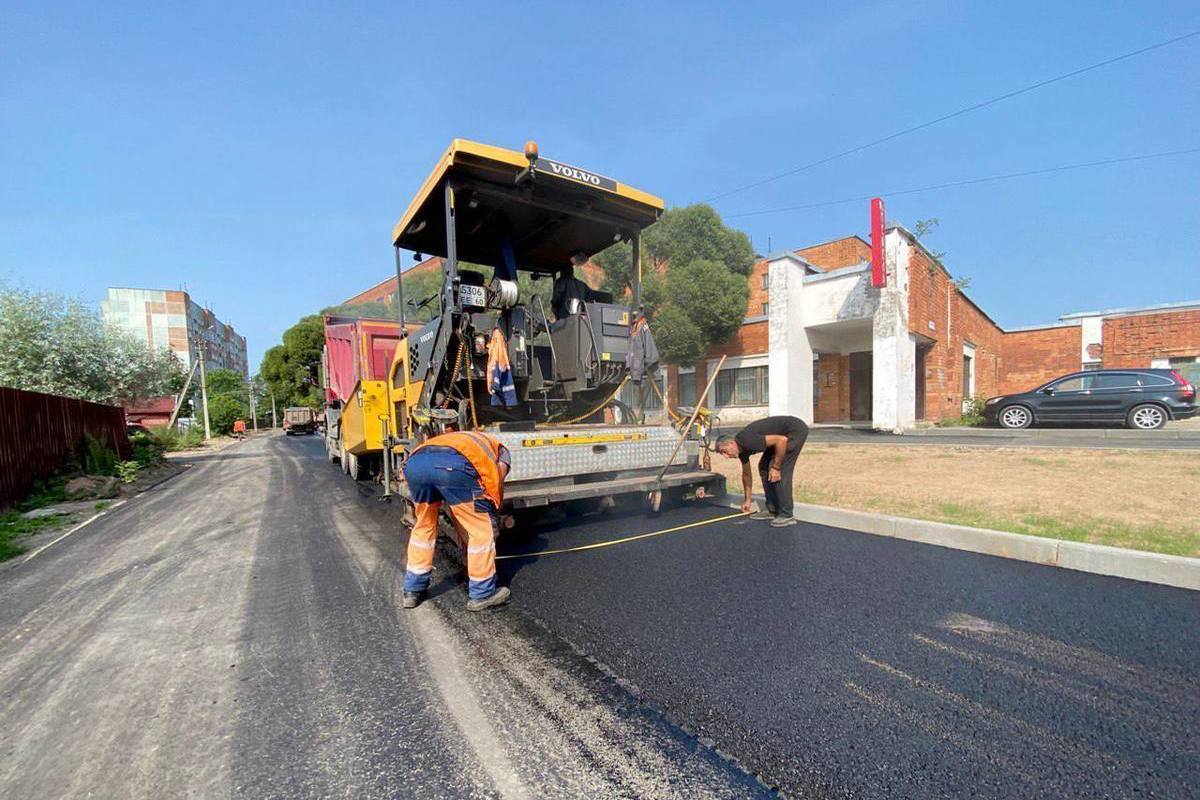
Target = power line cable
(967,110)
(970,181)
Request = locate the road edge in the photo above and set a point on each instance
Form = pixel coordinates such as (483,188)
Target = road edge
(1179,572)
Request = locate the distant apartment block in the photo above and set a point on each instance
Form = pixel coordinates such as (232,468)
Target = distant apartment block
(172,319)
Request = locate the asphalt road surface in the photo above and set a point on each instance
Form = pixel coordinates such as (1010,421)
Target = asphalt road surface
(237,632)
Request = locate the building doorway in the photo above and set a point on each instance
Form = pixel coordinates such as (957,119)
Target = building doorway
(860,386)
(919,378)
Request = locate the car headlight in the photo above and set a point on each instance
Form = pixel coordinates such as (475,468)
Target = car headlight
(993,400)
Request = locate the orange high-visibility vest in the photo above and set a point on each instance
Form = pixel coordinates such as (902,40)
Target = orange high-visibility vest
(482,451)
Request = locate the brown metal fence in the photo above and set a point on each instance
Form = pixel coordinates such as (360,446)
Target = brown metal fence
(40,433)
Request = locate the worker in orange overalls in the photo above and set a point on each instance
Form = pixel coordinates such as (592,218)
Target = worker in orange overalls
(465,470)
(239,428)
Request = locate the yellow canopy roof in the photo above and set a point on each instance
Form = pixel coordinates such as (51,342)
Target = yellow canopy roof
(558,211)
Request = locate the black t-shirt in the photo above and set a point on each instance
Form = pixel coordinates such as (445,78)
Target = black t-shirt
(753,438)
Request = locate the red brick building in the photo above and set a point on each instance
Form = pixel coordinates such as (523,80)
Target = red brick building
(911,351)
(819,342)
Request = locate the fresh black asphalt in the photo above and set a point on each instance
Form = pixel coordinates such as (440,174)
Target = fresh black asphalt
(237,632)
(838,664)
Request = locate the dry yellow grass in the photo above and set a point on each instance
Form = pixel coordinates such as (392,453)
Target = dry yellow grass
(1146,500)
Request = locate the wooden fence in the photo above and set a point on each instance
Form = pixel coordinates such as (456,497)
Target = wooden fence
(41,433)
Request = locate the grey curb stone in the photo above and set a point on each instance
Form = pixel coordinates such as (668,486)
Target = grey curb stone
(1136,565)
(1165,434)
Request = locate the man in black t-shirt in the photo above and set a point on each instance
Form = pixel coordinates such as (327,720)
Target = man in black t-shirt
(780,440)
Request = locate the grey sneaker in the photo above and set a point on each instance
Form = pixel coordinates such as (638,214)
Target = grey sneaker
(762,515)
(783,522)
(414,599)
(500,597)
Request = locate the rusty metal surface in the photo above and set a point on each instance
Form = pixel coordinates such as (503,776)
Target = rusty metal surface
(40,433)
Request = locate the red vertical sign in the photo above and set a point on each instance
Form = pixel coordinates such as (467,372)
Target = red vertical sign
(878,273)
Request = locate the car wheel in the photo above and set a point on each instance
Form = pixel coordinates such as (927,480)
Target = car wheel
(1015,417)
(1146,417)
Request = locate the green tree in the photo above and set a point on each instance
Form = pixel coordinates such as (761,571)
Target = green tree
(694,272)
(291,370)
(681,236)
(57,344)
(224,381)
(223,409)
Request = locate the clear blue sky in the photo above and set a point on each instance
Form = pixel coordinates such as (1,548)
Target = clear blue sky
(260,156)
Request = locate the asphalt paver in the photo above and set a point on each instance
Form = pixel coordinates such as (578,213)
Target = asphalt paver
(840,664)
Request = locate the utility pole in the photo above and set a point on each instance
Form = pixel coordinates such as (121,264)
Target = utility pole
(272,391)
(182,396)
(250,391)
(204,390)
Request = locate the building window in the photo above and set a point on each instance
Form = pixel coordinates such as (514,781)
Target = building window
(766,280)
(745,386)
(766,309)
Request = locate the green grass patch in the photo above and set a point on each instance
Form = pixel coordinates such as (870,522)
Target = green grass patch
(1096,530)
(14,526)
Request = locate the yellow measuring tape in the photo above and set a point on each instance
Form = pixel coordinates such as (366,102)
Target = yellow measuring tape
(612,542)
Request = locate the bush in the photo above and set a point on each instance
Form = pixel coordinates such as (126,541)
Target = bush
(98,459)
(972,415)
(146,449)
(127,471)
(223,409)
(171,439)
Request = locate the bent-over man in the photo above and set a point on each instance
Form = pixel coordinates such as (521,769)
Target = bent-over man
(780,440)
(466,471)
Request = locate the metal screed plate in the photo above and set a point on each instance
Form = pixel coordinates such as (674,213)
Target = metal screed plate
(553,452)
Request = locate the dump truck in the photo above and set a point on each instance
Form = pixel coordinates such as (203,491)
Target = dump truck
(569,436)
(357,356)
(299,420)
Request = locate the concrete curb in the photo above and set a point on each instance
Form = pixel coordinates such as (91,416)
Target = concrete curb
(1034,434)
(1136,565)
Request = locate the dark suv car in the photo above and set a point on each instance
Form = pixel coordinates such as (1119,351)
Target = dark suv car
(1143,399)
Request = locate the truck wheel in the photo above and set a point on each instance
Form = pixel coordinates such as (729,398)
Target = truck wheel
(331,454)
(353,467)
(345,461)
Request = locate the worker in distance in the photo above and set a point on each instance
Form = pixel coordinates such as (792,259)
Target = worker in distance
(780,440)
(464,470)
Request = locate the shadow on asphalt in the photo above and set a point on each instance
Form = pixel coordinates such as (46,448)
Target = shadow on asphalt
(564,528)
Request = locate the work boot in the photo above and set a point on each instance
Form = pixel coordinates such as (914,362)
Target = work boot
(414,599)
(783,522)
(762,515)
(499,598)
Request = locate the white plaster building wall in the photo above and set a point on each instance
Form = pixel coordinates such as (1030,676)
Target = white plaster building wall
(789,352)
(1093,333)
(894,353)
(838,296)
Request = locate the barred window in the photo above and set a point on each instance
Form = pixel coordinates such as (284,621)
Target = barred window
(745,386)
